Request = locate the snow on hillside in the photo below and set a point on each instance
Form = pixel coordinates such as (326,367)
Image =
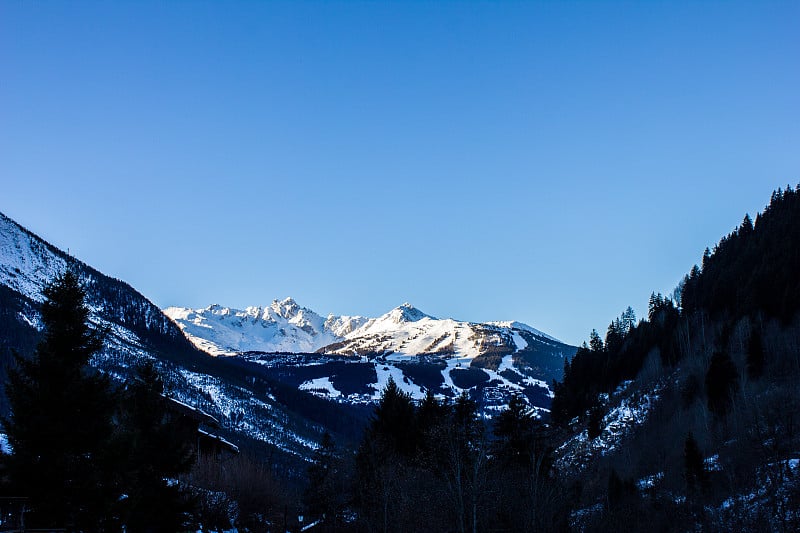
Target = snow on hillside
(26,263)
(320,387)
(628,410)
(240,410)
(389,371)
(403,333)
(406,331)
(132,326)
(509,357)
(513,324)
(386,343)
(283,326)
(341,326)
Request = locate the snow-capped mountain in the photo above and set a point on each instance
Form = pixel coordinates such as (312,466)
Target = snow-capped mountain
(283,326)
(407,331)
(353,357)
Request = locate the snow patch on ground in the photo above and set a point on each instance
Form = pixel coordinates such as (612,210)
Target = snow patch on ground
(520,343)
(5,447)
(384,371)
(454,363)
(629,413)
(649,482)
(238,409)
(513,324)
(507,363)
(320,387)
(26,263)
(712,463)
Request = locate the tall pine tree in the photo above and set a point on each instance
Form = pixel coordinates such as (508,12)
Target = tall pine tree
(60,427)
(156,450)
(721,382)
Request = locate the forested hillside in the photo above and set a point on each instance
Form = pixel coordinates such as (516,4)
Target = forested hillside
(716,364)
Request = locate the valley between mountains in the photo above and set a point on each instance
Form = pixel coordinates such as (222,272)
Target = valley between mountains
(685,418)
(280,376)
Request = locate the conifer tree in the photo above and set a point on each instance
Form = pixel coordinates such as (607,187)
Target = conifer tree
(595,342)
(594,427)
(465,460)
(157,450)
(721,382)
(706,258)
(615,335)
(755,355)
(60,427)
(628,320)
(394,420)
(522,462)
(430,414)
(694,470)
(747,226)
(513,428)
(389,442)
(322,496)
(618,490)
(655,304)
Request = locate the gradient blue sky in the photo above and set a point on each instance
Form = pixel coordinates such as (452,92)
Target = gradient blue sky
(539,161)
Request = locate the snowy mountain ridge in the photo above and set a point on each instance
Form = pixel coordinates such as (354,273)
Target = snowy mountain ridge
(349,359)
(284,326)
(27,264)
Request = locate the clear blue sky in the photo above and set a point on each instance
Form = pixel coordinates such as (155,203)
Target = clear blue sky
(539,161)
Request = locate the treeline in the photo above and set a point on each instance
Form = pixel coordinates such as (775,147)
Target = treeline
(754,269)
(752,272)
(439,466)
(720,358)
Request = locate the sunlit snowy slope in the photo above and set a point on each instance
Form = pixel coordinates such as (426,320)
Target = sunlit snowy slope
(419,351)
(283,326)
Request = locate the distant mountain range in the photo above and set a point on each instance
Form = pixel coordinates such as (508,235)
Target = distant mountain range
(492,360)
(284,326)
(287,373)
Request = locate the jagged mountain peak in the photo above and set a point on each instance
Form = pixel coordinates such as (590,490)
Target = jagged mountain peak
(341,326)
(286,308)
(405,313)
(281,326)
(285,326)
(218,309)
